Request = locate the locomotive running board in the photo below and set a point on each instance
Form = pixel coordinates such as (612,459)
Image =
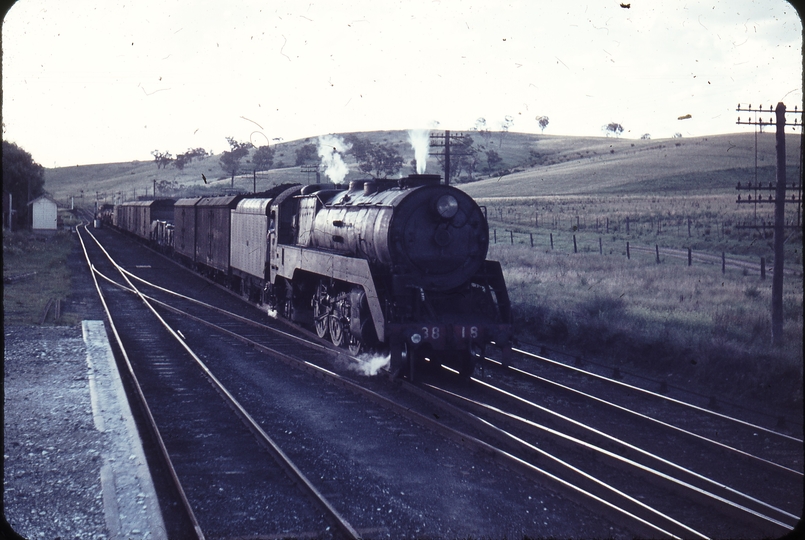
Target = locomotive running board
(347,269)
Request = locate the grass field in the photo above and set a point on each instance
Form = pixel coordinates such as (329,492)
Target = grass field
(693,325)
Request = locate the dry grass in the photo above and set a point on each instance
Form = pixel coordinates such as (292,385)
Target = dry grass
(36,267)
(689,324)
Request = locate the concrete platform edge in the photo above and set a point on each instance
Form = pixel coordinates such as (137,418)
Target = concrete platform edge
(131,507)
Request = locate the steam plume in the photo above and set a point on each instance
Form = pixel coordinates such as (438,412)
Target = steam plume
(420,142)
(369,364)
(330,148)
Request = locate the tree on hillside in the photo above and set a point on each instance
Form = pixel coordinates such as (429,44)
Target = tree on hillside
(307,155)
(23,178)
(183,159)
(543,123)
(493,161)
(645,136)
(379,160)
(263,158)
(613,128)
(230,160)
(162,159)
(481,128)
(508,121)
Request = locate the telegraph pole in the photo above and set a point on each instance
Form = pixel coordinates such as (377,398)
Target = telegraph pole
(779,201)
(436,143)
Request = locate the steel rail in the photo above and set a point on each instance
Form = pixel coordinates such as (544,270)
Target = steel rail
(265,440)
(699,491)
(655,420)
(235,316)
(659,396)
(563,463)
(143,402)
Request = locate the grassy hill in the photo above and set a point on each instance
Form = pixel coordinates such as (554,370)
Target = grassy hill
(531,166)
(601,165)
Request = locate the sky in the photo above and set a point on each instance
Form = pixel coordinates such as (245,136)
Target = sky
(109,81)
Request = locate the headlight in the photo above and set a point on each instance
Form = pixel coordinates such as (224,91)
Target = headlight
(415,339)
(447,206)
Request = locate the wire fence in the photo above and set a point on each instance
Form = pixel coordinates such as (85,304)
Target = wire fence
(587,243)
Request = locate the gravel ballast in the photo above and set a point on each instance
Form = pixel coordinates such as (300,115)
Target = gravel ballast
(73,461)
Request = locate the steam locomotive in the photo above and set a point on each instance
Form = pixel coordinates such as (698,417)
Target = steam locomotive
(397,265)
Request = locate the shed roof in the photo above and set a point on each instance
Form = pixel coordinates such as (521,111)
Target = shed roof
(46,197)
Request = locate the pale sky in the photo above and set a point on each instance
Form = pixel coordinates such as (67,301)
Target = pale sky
(107,81)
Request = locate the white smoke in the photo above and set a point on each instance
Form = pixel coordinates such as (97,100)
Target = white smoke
(420,142)
(370,364)
(330,148)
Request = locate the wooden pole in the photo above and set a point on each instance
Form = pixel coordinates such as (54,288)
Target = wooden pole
(779,236)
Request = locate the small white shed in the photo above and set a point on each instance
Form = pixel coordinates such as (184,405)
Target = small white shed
(44,214)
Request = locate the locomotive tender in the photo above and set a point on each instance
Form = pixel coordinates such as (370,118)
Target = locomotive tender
(386,264)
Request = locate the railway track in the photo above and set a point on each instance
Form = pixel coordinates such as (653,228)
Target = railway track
(607,490)
(718,461)
(193,425)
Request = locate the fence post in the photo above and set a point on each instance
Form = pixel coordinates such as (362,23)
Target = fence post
(600,246)
(551,240)
(495,232)
(690,257)
(763,268)
(657,249)
(536,221)
(688,227)
(607,225)
(723,262)
(628,255)
(575,248)
(511,235)
(532,239)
